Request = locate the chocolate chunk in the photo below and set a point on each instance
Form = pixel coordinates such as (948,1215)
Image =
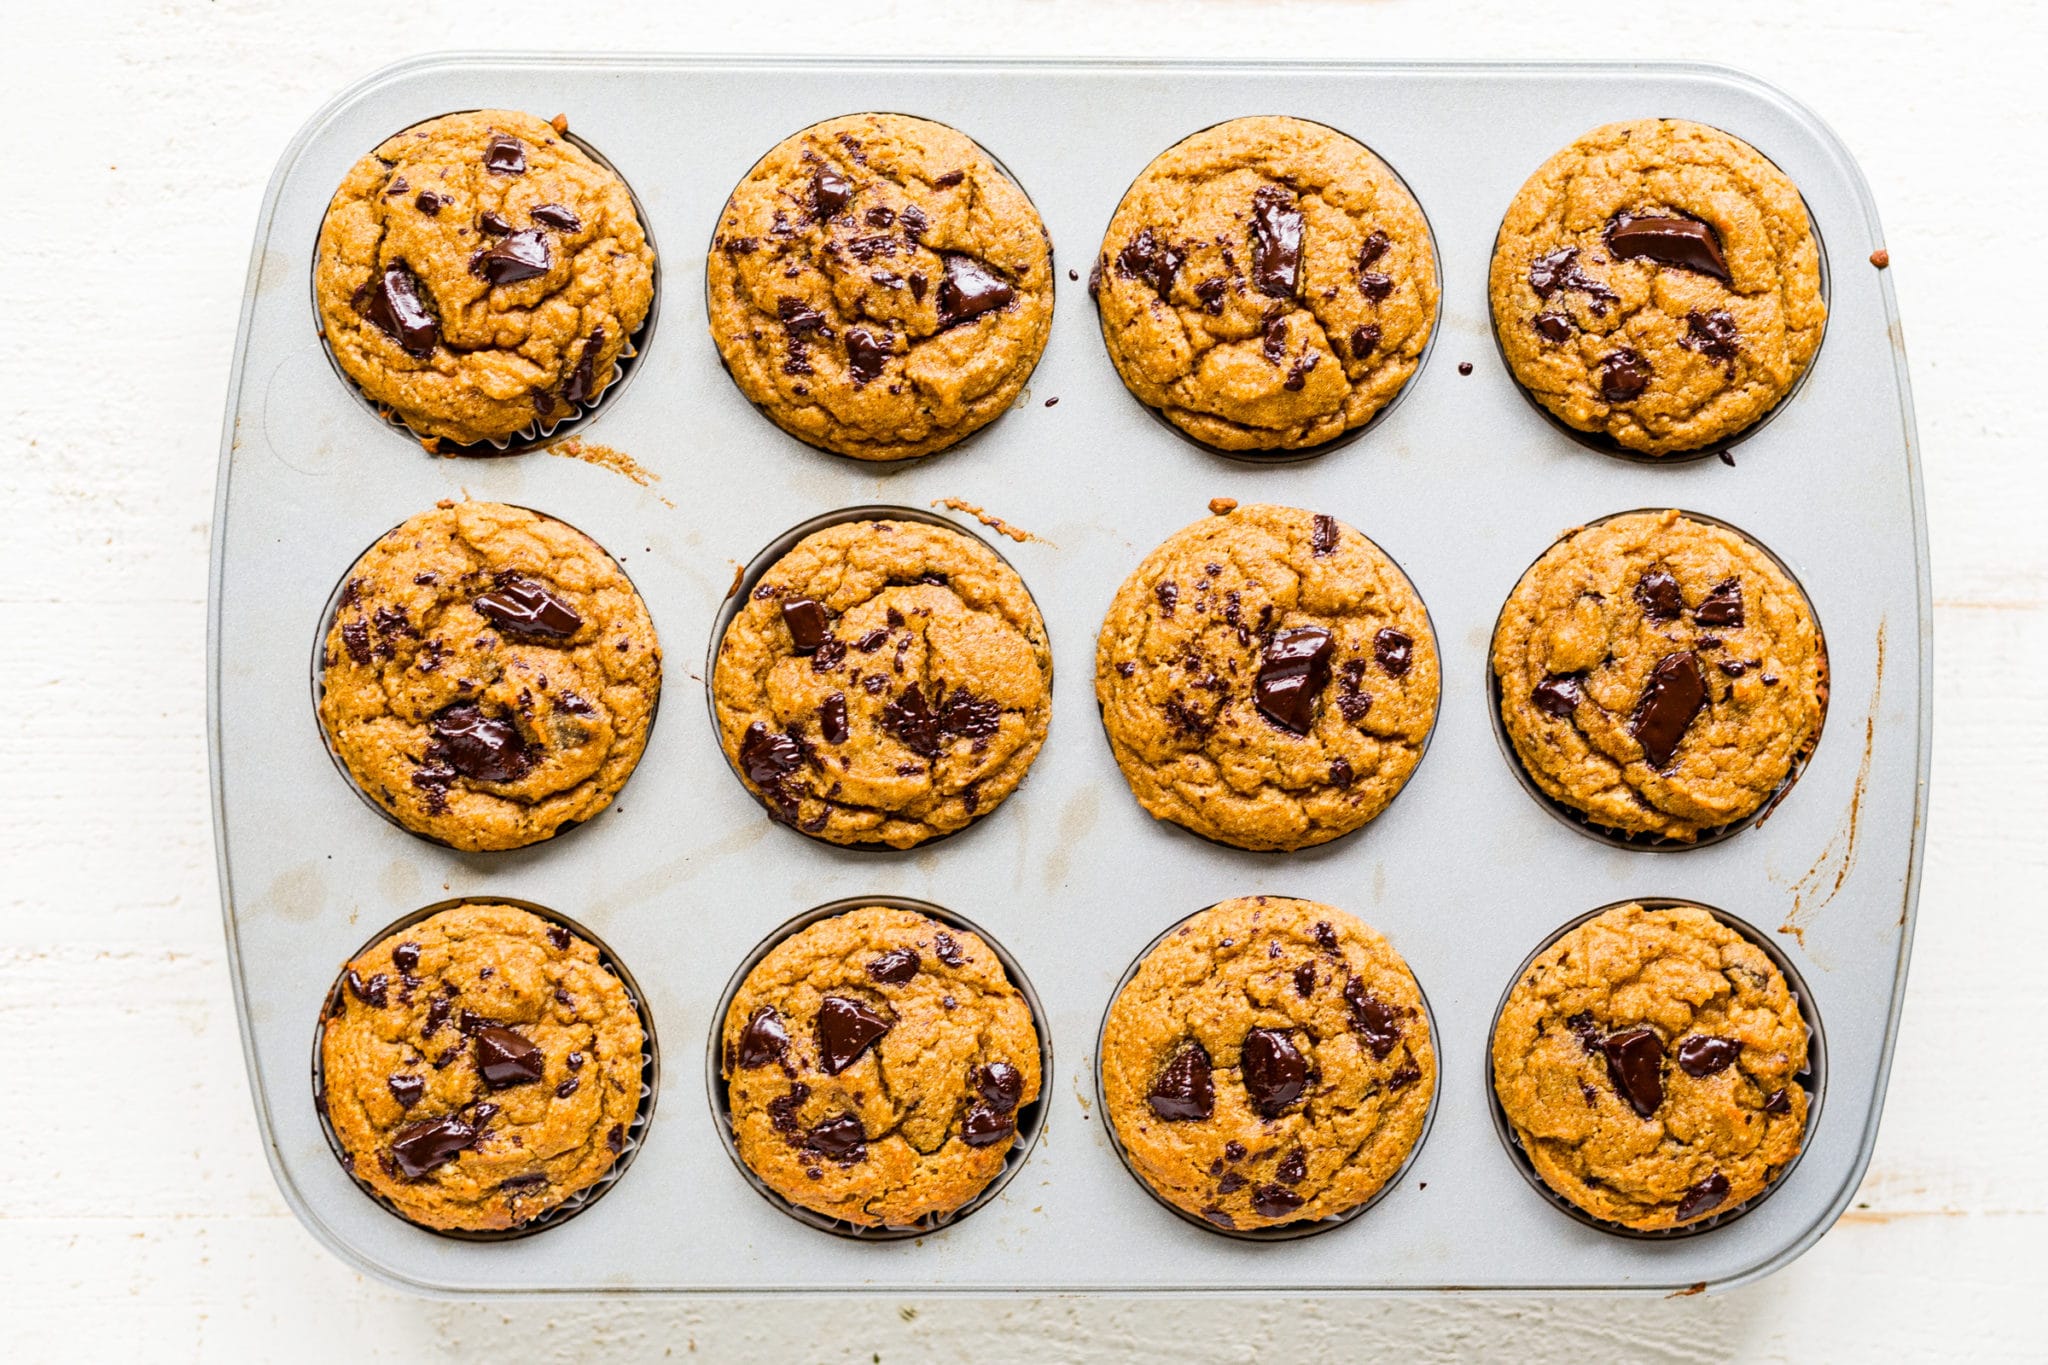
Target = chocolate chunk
(1152,260)
(1231,1181)
(425,1146)
(839,1138)
(832,718)
(524,607)
(557,216)
(895,967)
(948,949)
(1233,1150)
(1703,1054)
(1656,592)
(1586,1030)
(1294,671)
(1185,1089)
(865,354)
(1675,695)
(477,746)
(913,222)
(371,992)
(1558,694)
(1713,334)
(428,203)
(1276,242)
(505,155)
(1683,242)
(1211,292)
(766,756)
(522,256)
(969,289)
(845,1030)
(616,1139)
(1323,539)
(1623,376)
(1708,1194)
(1722,606)
(830,192)
(1168,594)
(1274,347)
(1364,339)
(406,956)
(949,180)
(1219,1217)
(1560,270)
(1635,1065)
(1275,1201)
(493,224)
(1553,327)
(984,1125)
(568,1087)
(516,1183)
(926,728)
(1779,1102)
(806,622)
(505,1059)
(1275,1073)
(1394,651)
(1001,1084)
(1377,1023)
(1404,1076)
(407,1090)
(394,305)
(582,385)
(1374,285)
(1376,245)
(764,1040)
(1293,1168)
(1341,772)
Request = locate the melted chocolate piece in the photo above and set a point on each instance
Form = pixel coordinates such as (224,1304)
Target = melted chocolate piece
(1325,936)
(582,385)
(1152,260)
(504,1059)
(406,956)
(1623,376)
(522,256)
(806,622)
(394,305)
(1779,1102)
(1553,327)
(1294,671)
(1219,1217)
(926,728)
(477,746)
(424,1146)
(969,289)
(1275,1073)
(1275,1201)
(1276,242)
(505,155)
(1323,540)
(1675,695)
(1683,242)
(1001,1084)
(1376,244)
(846,1028)
(1293,1168)
(865,354)
(832,718)
(1559,695)
(407,1090)
(763,1040)
(1374,285)
(1713,334)
(1375,1020)
(1708,1194)
(1656,592)
(1394,650)
(768,757)
(557,216)
(372,992)
(1703,1054)
(830,192)
(1722,606)
(525,607)
(493,224)
(428,203)
(984,1125)
(840,1139)
(1560,270)
(895,967)
(1185,1089)
(1635,1065)
(948,949)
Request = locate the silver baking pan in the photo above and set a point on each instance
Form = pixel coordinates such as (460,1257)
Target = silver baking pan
(1464,483)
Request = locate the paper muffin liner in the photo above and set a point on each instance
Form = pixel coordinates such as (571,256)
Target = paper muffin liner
(319,688)
(538,432)
(1283,455)
(636,1131)
(1813,1079)
(742,591)
(1642,841)
(1030,1117)
(1279,1232)
(1607,445)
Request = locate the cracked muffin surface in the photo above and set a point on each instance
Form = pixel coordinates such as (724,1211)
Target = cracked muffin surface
(479,274)
(1660,674)
(1648,1062)
(876,1063)
(1267,678)
(490,675)
(879,287)
(1269,1062)
(480,1067)
(1266,284)
(885,682)
(1657,282)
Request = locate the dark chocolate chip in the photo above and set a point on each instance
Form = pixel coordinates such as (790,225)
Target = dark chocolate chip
(522,256)
(896,966)
(806,621)
(568,1087)
(764,1040)
(1675,695)
(767,756)
(865,354)
(984,1125)
(913,222)
(1779,1102)
(1219,1217)
(1375,285)
(1713,334)
(830,192)
(505,155)
(424,1146)
(1230,1183)
(948,948)
(969,289)
(1001,1084)
(1276,242)
(1325,936)
(428,203)
(505,1059)
(1623,376)
(1701,1198)
(478,746)
(1275,1073)
(1323,539)
(372,992)
(832,718)
(1394,650)
(1293,1168)
(1152,260)
(1703,1054)
(493,224)
(1292,674)
(1185,1089)
(840,1139)
(1364,339)
(846,1028)
(407,1090)
(1635,1065)
(1376,245)
(1559,695)
(557,216)
(1275,1201)
(1553,327)
(582,385)
(557,935)
(1656,592)
(393,305)
(1377,1022)
(406,956)
(1722,606)
(525,607)
(1560,270)
(1684,242)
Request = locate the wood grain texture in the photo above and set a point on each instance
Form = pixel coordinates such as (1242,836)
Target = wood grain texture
(137,1218)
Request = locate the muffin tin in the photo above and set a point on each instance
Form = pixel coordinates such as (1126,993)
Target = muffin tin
(1463,483)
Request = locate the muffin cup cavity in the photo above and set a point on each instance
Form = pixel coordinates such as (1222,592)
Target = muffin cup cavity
(1283,455)
(636,1132)
(1639,841)
(1030,1117)
(1284,1232)
(538,433)
(1813,1079)
(736,600)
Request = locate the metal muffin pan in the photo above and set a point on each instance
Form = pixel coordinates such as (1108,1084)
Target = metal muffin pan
(1463,484)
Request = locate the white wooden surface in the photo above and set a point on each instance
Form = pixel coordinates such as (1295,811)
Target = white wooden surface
(137,1217)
